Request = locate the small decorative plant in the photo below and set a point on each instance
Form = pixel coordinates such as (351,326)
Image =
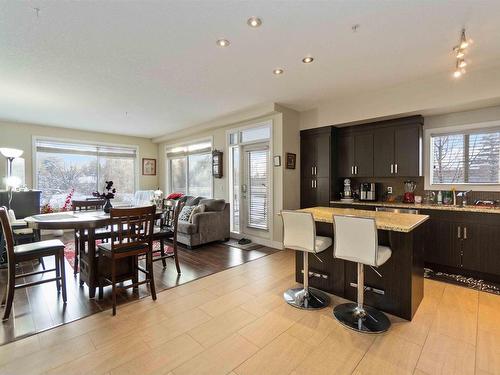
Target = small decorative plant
(109,192)
(46,209)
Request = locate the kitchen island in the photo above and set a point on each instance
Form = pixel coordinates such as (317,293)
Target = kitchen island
(400,289)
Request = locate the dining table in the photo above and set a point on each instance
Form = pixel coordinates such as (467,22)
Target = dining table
(86,222)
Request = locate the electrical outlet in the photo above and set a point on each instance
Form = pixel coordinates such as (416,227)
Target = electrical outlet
(389,189)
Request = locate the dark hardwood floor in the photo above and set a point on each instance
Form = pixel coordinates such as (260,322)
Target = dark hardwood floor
(40,307)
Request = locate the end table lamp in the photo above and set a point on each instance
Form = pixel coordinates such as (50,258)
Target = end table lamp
(11,181)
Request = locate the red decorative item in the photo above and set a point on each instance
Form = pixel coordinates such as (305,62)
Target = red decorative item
(67,202)
(175,195)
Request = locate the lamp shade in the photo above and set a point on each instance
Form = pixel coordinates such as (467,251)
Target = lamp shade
(11,152)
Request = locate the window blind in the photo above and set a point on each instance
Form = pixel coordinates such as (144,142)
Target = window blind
(258,189)
(466,158)
(58,147)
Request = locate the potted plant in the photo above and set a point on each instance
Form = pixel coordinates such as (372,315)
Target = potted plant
(107,195)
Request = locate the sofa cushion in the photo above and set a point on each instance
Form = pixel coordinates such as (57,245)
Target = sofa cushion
(197,209)
(186,227)
(213,204)
(186,213)
(190,200)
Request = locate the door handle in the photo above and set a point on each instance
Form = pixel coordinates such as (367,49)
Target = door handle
(352,169)
(315,171)
(396,168)
(465,233)
(312,171)
(315,184)
(458,232)
(312,183)
(392,168)
(355,169)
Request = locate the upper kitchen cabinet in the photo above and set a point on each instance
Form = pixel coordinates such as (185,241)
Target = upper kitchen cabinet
(355,153)
(381,149)
(316,166)
(397,147)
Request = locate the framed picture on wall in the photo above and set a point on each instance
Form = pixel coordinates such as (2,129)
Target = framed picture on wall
(291,160)
(148,167)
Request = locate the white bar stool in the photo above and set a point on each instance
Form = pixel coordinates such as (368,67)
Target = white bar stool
(300,235)
(356,240)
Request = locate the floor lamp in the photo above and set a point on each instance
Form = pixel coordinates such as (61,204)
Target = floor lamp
(11,182)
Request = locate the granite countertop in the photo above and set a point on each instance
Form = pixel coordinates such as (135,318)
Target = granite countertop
(391,221)
(489,210)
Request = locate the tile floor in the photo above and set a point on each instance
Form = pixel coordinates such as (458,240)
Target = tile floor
(235,322)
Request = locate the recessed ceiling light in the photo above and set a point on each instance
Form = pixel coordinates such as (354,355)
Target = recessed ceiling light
(308,60)
(223,43)
(254,22)
(278,71)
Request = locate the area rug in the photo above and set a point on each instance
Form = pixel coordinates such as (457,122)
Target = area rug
(251,246)
(468,282)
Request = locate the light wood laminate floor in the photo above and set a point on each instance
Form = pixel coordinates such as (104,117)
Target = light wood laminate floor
(236,322)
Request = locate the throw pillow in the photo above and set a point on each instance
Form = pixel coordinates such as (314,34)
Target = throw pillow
(197,210)
(186,213)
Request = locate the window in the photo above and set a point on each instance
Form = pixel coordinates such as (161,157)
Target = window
(190,169)
(61,167)
(466,158)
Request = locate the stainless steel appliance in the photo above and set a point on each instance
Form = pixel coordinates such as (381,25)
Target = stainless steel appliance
(368,191)
(346,195)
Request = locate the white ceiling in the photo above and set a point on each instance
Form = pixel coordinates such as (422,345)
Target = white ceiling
(85,64)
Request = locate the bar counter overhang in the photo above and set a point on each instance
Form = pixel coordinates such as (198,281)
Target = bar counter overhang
(400,289)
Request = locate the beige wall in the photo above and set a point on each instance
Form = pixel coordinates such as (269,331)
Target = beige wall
(436,94)
(20,136)
(285,139)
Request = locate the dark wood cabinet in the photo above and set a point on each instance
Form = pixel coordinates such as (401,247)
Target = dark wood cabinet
(355,155)
(397,149)
(467,242)
(381,149)
(316,167)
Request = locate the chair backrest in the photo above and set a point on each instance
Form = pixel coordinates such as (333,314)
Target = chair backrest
(355,239)
(299,230)
(143,198)
(8,236)
(132,226)
(175,220)
(87,204)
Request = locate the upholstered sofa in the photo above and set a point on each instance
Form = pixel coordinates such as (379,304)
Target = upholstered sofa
(208,226)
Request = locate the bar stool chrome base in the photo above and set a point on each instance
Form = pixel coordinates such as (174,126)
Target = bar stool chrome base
(314,300)
(365,319)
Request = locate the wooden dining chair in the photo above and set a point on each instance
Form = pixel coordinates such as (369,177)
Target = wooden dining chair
(80,237)
(132,234)
(167,232)
(29,252)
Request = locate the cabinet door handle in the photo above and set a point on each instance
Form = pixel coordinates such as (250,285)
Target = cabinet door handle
(315,171)
(392,168)
(312,183)
(312,171)
(355,169)
(465,233)
(352,169)
(458,232)
(396,168)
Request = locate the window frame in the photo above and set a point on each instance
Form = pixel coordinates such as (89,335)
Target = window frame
(169,163)
(34,160)
(487,127)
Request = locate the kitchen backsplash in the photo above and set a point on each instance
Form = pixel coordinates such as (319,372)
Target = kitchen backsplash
(398,189)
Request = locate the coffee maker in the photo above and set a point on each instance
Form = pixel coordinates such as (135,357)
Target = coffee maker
(368,191)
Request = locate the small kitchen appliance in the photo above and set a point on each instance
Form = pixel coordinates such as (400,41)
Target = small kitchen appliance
(368,191)
(409,195)
(346,195)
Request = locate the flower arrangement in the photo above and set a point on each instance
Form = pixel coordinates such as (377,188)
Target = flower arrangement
(67,202)
(46,209)
(109,192)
